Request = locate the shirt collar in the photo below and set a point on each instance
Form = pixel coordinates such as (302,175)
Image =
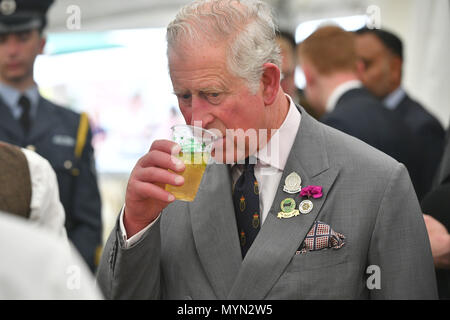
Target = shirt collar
(339,91)
(276,152)
(393,99)
(11,97)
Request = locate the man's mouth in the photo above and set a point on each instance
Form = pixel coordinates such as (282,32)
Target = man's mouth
(13,65)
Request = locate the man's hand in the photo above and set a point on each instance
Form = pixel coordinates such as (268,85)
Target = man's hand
(440,242)
(145,196)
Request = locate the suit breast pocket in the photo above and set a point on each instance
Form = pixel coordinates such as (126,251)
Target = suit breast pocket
(312,260)
(324,274)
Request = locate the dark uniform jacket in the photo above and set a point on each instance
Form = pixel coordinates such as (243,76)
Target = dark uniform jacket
(53,135)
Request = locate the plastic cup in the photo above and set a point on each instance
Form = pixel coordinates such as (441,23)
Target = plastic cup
(196,145)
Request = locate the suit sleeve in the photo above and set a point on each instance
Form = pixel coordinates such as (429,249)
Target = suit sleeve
(86,232)
(134,272)
(399,245)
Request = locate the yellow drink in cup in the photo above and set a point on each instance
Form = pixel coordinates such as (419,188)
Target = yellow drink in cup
(192,175)
(195,153)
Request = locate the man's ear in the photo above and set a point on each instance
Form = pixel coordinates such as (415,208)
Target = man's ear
(271,82)
(360,69)
(42,42)
(308,73)
(396,64)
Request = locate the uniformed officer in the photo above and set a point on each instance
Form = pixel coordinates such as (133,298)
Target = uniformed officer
(61,136)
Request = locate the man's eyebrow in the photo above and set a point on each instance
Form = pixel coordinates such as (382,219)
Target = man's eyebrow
(180,91)
(212,89)
(201,90)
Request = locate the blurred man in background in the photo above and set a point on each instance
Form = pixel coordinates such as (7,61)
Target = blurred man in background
(286,42)
(61,136)
(329,62)
(382,55)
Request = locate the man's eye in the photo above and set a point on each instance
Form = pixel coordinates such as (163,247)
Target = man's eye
(185,96)
(214,97)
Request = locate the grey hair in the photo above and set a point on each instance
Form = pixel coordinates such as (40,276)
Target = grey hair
(247,25)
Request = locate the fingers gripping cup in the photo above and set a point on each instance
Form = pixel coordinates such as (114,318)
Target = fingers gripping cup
(196,144)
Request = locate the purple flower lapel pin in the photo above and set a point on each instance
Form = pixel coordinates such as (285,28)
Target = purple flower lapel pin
(311,191)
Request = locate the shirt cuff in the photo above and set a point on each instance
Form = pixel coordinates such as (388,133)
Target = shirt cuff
(123,233)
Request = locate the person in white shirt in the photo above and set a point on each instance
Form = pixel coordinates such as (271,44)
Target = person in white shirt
(37,265)
(46,208)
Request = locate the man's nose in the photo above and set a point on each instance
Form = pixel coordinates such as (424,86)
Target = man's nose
(12,46)
(201,113)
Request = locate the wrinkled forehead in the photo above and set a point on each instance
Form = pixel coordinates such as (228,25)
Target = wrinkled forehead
(197,55)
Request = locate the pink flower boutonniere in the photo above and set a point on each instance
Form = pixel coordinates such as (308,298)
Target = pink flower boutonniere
(311,191)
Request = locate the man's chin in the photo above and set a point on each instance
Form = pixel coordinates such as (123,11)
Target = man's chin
(14,77)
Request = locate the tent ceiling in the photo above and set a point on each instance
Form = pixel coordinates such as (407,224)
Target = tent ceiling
(119,14)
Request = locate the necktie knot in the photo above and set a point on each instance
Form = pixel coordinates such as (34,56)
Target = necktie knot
(24,102)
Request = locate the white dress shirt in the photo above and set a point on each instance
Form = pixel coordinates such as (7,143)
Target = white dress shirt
(394,98)
(46,208)
(268,169)
(270,165)
(11,96)
(339,91)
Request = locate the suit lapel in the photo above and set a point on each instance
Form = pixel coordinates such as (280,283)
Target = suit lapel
(45,119)
(214,229)
(278,239)
(8,122)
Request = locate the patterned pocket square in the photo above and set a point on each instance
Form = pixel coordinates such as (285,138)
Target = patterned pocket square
(321,236)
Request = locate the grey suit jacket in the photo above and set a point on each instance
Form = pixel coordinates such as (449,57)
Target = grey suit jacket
(193,252)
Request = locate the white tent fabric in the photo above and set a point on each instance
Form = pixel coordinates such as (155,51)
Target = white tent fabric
(428,56)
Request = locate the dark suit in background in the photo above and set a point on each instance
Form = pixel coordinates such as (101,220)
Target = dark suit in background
(363,116)
(437,204)
(443,170)
(53,135)
(429,134)
(381,52)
